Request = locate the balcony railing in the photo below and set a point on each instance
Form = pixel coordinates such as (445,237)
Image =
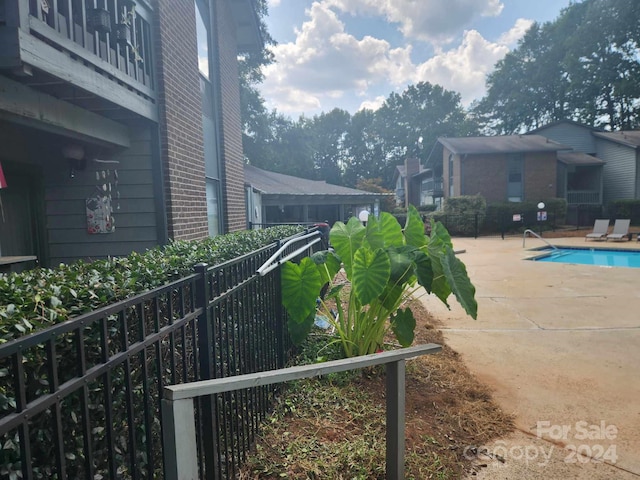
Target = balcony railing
(433,187)
(118,32)
(96,54)
(584,197)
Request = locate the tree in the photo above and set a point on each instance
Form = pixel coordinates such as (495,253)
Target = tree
(582,66)
(327,133)
(423,111)
(387,204)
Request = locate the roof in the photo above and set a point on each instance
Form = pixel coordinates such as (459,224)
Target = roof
(630,138)
(564,121)
(272,183)
(579,158)
(402,171)
(501,144)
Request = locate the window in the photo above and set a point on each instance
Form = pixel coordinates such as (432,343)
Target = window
(202,33)
(213,207)
(514,178)
(210,132)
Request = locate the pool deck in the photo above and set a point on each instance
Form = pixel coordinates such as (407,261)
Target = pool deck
(558,343)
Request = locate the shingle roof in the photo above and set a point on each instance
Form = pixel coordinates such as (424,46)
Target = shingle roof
(279,184)
(630,138)
(501,144)
(578,158)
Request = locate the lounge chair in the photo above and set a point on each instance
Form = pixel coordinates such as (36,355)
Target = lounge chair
(620,229)
(600,228)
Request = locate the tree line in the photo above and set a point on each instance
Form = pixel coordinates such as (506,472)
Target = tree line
(583,66)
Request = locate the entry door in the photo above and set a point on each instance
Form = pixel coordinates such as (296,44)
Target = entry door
(18,234)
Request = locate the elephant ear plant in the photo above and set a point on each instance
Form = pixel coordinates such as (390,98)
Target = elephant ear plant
(384,265)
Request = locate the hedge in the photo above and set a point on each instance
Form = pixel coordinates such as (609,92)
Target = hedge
(39,298)
(625,209)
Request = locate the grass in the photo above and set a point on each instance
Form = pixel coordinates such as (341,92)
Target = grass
(334,426)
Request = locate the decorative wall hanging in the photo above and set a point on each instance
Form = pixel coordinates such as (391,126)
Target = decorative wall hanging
(100,206)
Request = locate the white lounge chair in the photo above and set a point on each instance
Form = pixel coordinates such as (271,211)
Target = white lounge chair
(600,228)
(620,229)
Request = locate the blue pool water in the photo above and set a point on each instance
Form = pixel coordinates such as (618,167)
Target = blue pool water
(601,257)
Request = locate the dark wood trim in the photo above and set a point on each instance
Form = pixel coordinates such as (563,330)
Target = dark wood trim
(24,105)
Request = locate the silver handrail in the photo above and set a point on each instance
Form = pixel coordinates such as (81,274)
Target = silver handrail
(273,263)
(528,230)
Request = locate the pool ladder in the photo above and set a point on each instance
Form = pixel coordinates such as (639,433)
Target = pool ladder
(528,230)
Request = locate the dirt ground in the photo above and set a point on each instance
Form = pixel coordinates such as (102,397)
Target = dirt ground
(449,414)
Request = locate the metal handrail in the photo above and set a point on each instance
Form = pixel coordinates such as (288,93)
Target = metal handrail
(528,230)
(178,414)
(272,263)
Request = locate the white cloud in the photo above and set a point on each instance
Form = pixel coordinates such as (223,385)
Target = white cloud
(464,68)
(325,66)
(511,37)
(273,3)
(374,104)
(436,21)
(326,61)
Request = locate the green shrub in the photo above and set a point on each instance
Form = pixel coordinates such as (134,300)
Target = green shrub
(625,209)
(499,216)
(427,208)
(42,297)
(39,298)
(460,214)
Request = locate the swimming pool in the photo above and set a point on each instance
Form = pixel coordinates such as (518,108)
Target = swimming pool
(592,256)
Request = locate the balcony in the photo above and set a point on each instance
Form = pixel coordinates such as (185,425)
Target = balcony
(432,187)
(584,197)
(95,54)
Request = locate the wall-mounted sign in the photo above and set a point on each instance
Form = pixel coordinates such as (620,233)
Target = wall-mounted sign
(517,217)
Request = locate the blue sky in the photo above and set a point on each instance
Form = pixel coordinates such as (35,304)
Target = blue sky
(353,53)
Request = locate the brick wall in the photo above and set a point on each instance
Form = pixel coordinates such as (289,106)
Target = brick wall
(229,118)
(180,109)
(540,176)
(487,175)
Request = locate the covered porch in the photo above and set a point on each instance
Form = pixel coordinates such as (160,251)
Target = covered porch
(580,178)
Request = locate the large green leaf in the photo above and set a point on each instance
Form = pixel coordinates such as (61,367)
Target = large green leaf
(300,287)
(298,331)
(374,238)
(371,269)
(328,264)
(403,325)
(458,280)
(424,270)
(346,239)
(391,297)
(414,228)
(391,230)
(439,236)
(402,265)
(439,286)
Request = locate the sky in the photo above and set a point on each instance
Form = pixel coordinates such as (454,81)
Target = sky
(352,54)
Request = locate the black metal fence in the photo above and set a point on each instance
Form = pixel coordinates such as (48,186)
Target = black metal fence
(507,223)
(81,399)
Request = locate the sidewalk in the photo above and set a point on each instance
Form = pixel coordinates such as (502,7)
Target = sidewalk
(560,346)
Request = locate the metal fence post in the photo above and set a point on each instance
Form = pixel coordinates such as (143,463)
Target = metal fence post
(206,347)
(395,419)
(179,430)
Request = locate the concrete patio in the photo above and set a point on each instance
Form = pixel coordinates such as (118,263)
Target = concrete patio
(560,346)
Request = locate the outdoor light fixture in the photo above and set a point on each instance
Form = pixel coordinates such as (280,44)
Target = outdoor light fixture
(75,156)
